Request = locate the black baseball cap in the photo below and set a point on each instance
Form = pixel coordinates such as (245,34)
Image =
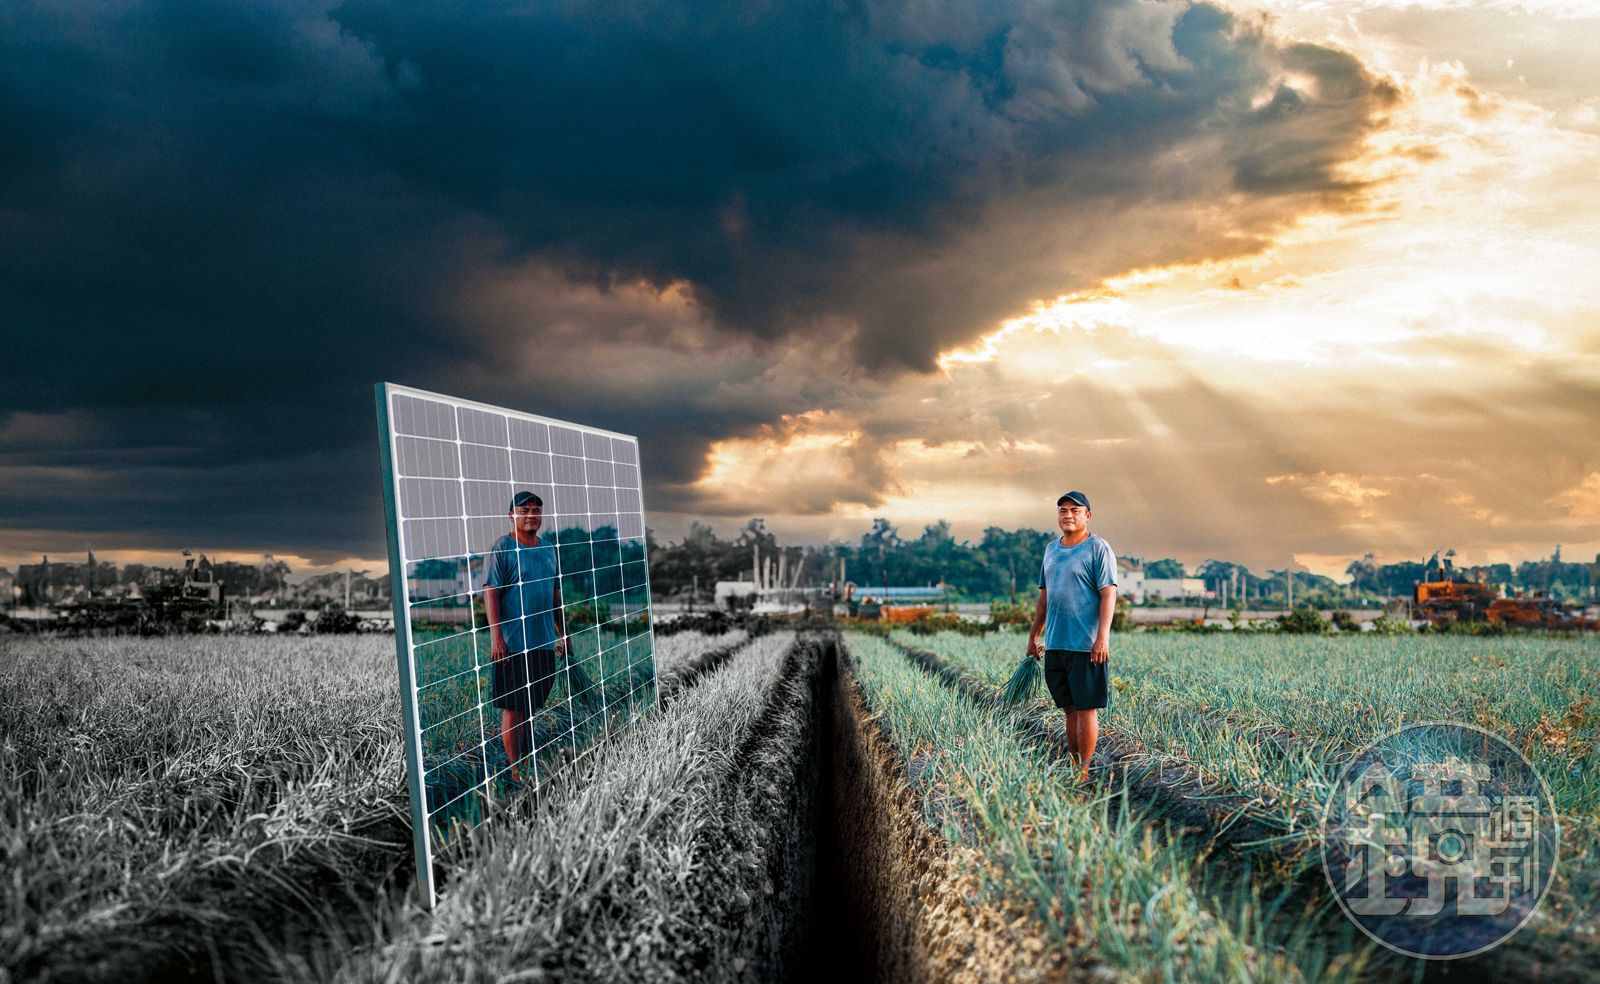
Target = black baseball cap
(524,497)
(1077,497)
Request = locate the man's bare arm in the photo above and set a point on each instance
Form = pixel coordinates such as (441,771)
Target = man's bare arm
(491,608)
(560,618)
(1039,610)
(1101,651)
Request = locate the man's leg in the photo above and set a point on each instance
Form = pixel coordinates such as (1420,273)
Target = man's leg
(524,735)
(1072,735)
(508,723)
(1088,729)
(512,727)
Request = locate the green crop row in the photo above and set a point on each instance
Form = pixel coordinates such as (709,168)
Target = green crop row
(1102,881)
(1266,725)
(1331,696)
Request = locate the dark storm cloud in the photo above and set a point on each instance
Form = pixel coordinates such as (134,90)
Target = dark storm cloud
(219,222)
(796,163)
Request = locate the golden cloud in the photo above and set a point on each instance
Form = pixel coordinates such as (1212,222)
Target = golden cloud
(1582,501)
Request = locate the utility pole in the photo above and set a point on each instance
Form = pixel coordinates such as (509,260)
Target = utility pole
(1288,580)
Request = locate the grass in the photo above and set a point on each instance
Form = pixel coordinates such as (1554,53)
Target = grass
(682,648)
(607,682)
(1265,724)
(684,673)
(1100,880)
(1328,696)
(653,865)
(221,807)
(205,806)
(150,788)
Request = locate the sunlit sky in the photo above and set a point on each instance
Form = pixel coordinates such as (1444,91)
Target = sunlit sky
(1415,374)
(1282,280)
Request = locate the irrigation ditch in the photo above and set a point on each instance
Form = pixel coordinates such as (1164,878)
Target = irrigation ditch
(919,914)
(849,881)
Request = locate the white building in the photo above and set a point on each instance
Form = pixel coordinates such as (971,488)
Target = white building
(1174,588)
(726,591)
(1133,585)
(1130,581)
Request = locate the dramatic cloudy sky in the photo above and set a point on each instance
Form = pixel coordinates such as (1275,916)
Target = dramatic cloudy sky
(1265,278)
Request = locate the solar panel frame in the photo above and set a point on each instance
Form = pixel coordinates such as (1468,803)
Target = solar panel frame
(448,478)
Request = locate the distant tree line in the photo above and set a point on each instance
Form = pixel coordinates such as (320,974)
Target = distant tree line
(1001,564)
(1000,561)
(1005,563)
(55,581)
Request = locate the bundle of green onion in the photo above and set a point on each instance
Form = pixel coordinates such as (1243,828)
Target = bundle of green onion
(581,687)
(1022,683)
(588,722)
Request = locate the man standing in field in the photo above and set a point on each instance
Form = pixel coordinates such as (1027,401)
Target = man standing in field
(522,597)
(1077,597)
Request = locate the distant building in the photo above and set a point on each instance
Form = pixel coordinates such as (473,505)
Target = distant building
(1133,585)
(1175,588)
(36,582)
(726,591)
(436,579)
(902,595)
(1130,580)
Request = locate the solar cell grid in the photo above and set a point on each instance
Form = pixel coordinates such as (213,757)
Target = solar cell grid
(475,581)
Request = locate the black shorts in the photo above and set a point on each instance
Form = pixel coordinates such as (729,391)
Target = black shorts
(523,681)
(1076,683)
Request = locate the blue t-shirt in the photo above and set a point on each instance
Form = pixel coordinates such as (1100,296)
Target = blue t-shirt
(1072,578)
(527,606)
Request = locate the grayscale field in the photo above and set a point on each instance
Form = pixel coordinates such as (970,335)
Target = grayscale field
(235,808)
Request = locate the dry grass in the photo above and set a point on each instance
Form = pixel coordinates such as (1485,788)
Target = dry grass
(665,861)
(683,648)
(222,808)
(155,793)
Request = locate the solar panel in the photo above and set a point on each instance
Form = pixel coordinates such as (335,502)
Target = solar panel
(521,600)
